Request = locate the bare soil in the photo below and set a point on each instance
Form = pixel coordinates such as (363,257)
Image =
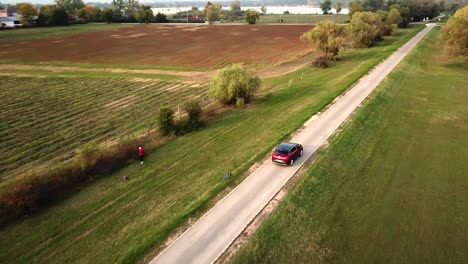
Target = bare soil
(189,46)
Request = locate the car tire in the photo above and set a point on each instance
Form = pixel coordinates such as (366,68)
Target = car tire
(291,162)
(302,152)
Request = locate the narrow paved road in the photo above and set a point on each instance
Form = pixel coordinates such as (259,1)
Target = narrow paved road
(210,236)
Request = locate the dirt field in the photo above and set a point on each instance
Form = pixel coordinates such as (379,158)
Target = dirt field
(191,46)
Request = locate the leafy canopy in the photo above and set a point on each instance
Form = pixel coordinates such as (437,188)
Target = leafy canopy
(455,34)
(251,17)
(327,36)
(234,82)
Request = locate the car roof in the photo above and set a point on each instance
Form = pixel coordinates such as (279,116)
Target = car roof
(286,146)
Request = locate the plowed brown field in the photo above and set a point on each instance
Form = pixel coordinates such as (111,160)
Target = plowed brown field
(191,46)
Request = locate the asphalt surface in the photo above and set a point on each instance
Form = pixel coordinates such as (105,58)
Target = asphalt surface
(212,234)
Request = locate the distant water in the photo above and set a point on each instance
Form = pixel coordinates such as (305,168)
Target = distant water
(270,9)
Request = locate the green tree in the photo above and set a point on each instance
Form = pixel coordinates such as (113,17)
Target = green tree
(373,5)
(130,8)
(394,17)
(339,7)
(83,15)
(118,5)
(327,36)
(194,112)
(404,13)
(212,12)
(166,120)
(234,82)
(364,29)
(71,6)
(108,15)
(263,9)
(251,16)
(145,15)
(455,35)
(160,18)
(27,13)
(326,6)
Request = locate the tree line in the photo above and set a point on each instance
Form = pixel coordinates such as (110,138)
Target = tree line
(65,12)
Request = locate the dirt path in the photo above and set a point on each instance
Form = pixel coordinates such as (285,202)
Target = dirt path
(111,70)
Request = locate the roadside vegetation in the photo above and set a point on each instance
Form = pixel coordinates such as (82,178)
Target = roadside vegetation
(455,35)
(391,185)
(185,175)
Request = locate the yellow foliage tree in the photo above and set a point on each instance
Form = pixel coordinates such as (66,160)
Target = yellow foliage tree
(27,13)
(455,34)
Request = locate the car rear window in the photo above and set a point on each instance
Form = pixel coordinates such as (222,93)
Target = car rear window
(281,152)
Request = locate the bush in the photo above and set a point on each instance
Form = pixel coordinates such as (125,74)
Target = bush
(166,120)
(251,17)
(321,62)
(234,82)
(194,112)
(240,102)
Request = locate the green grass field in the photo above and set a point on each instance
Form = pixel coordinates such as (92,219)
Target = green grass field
(28,34)
(392,187)
(44,119)
(119,222)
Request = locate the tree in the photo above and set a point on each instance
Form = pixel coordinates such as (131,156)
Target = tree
(338,7)
(404,13)
(27,13)
(166,120)
(364,29)
(327,36)
(212,12)
(131,7)
(160,18)
(118,5)
(71,6)
(394,17)
(373,5)
(232,83)
(108,15)
(194,112)
(251,16)
(145,15)
(326,6)
(263,9)
(455,34)
(235,6)
(355,7)
(83,15)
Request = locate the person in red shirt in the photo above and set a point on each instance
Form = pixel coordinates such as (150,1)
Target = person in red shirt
(141,152)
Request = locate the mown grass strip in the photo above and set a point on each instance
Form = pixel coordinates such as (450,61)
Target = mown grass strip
(391,187)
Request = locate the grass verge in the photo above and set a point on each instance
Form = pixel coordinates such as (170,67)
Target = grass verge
(114,222)
(392,186)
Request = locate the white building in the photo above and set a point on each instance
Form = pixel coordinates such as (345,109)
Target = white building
(10,22)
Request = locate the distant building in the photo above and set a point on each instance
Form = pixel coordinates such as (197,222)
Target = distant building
(4,12)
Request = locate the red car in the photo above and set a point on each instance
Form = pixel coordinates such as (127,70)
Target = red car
(286,153)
